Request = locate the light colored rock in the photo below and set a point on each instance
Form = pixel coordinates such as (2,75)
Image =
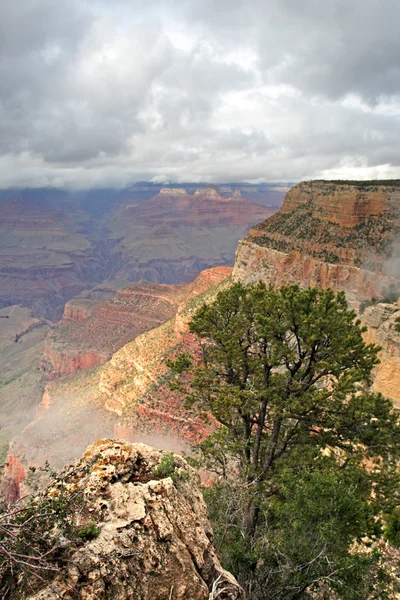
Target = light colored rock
(155,540)
(260,263)
(381,320)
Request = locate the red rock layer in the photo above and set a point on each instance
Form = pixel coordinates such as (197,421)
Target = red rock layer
(77,309)
(259,263)
(134,384)
(85,342)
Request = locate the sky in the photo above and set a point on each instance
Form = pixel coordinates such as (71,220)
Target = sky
(102,93)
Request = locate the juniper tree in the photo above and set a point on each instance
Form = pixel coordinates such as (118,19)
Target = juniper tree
(286,374)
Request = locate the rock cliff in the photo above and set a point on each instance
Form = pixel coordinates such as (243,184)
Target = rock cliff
(339,235)
(153,539)
(383,322)
(92,332)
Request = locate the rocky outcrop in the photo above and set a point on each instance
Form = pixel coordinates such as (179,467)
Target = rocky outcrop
(77,309)
(383,322)
(331,234)
(59,360)
(353,225)
(154,539)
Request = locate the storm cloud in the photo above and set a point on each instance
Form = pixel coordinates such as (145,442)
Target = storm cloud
(106,93)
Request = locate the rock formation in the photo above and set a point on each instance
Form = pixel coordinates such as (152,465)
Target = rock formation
(153,542)
(128,395)
(134,383)
(339,235)
(344,236)
(92,332)
(383,322)
(174,235)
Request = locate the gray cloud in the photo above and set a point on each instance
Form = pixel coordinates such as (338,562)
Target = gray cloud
(98,93)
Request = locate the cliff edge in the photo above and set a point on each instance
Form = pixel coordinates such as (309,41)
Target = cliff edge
(344,235)
(153,539)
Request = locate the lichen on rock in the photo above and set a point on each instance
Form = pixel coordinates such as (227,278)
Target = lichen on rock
(152,539)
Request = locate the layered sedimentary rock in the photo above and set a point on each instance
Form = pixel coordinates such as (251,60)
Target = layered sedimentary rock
(134,383)
(44,259)
(171,237)
(154,540)
(92,332)
(77,309)
(128,396)
(54,244)
(346,203)
(344,236)
(339,235)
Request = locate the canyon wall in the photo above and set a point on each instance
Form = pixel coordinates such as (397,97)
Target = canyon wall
(383,322)
(347,204)
(344,236)
(55,244)
(255,262)
(129,395)
(91,332)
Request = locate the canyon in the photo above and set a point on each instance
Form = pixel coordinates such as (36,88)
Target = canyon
(127,396)
(105,365)
(56,243)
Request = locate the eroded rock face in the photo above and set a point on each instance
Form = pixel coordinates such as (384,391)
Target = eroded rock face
(383,322)
(255,262)
(345,225)
(155,541)
(345,204)
(340,236)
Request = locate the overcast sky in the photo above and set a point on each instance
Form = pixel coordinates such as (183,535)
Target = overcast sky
(107,92)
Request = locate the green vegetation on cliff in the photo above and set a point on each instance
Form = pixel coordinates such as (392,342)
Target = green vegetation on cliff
(365,244)
(285,372)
